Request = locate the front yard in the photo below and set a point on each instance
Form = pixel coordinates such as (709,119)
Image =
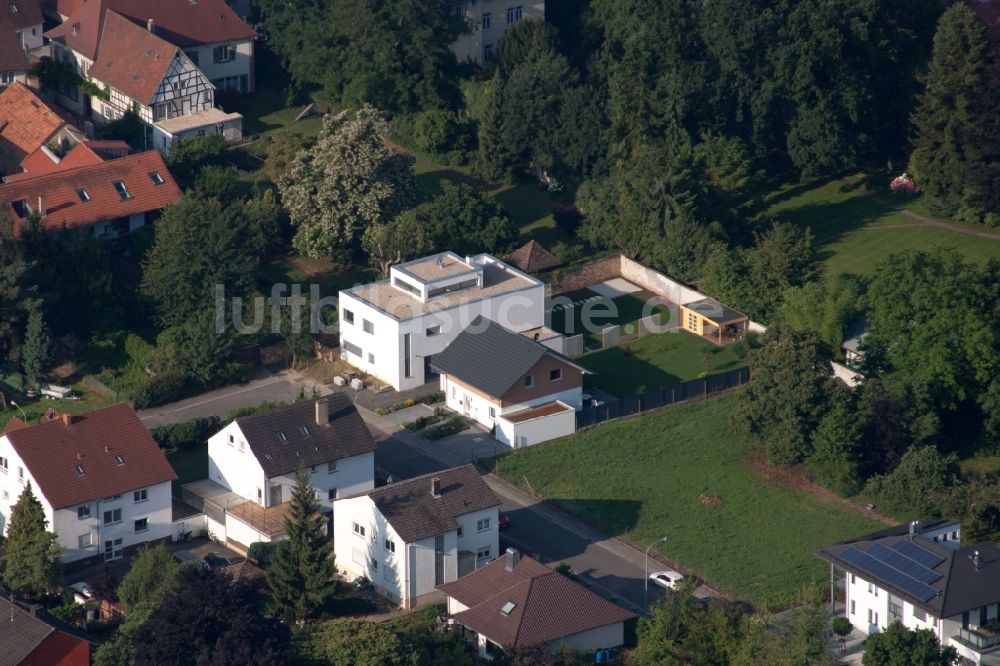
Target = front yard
(682,473)
(659,360)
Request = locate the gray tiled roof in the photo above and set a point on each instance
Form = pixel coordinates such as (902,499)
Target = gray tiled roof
(490,358)
(344,436)
(415,513)
(715,311)
(20,633)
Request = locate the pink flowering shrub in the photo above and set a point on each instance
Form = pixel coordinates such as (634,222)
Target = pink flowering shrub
(904,184)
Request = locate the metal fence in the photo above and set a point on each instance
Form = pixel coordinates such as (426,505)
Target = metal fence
(662,397)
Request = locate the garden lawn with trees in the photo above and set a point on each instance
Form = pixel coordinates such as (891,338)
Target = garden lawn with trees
(660,475)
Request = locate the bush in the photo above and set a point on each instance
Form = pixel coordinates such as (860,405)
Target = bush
(452,426)
(188,156)
(261,552)
(187,434)
(841,626)
(158,390)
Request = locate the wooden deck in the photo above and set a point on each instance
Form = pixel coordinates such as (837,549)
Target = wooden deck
(269,521)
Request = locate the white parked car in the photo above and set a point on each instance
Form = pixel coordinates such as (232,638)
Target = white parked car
(668,579)
(82,593)
(54,392)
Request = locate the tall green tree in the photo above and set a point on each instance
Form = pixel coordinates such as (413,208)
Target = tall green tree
(301,575)
(33,564)
(465,220)
(388,243)
(38,350)
(788,394)
(955,147)
(898,645)
(837,443)
(347,181)
(393,55)
(200,244)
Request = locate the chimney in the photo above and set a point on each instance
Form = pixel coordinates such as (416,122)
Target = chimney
(915,528)
(322,412)
(67,419)
(33,609)
(976,562)
(435,487)
(513,557)
(41,205)
(150,26)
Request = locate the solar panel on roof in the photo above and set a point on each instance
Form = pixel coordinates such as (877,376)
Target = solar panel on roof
(897,560)
(884,572)
(918,553)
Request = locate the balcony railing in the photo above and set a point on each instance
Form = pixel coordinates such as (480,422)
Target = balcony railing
(980,639)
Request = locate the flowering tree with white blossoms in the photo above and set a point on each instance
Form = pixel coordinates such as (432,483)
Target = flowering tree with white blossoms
(348,181)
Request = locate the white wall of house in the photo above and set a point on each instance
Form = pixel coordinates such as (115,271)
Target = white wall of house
(156,508)
(382,350)
(236,73)
(572,397)
(407,574)
(241,532)
(347,476)
(465,401)
(231,130)
(488,21)
(232,464)
(536,431)
(31,37)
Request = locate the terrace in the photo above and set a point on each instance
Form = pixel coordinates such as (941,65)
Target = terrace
(268,521)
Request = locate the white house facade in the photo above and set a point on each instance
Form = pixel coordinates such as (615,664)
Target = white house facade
(103,482)
(488,21)
(391,329)
(921,576)
(228,64)
(411,536)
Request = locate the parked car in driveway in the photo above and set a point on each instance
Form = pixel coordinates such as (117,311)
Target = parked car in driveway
(668,579)
(217,560)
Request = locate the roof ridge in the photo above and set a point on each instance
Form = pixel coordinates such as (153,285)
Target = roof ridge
(527,599)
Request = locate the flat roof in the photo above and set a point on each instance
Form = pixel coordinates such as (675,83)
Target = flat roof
(714,311)
(497,279)
(196,120)
(428,269)
(548,409)
(544,333)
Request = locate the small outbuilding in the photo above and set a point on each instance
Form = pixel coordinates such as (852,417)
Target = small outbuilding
(714,321)
(533,258)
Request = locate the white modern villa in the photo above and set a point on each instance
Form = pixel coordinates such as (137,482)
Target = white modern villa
(392,328)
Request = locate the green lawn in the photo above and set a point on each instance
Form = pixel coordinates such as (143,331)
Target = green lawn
(33,408)
(190,465)
(330,276)
(658,360)
(855,231)
(601,312)
(642,478)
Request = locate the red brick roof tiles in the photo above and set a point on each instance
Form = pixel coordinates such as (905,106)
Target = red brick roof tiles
(41,162)
(52,451)
(138,61)
(21,13)
(547,605)
(12,55)
(181,22)
(26,121)
(63,204)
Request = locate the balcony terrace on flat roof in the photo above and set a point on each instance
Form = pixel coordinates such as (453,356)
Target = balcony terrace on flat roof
(435,267)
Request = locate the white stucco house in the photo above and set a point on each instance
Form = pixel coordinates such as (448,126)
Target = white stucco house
(920,575)
(508,381)
(488,21)
(409,537)
(517,602)
(252,464)
(392,328)
(102,480)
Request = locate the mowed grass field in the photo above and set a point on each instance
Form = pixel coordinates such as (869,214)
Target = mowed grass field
(658,360)
(854,231)
(642,478)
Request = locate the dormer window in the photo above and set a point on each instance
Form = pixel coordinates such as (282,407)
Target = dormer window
(156,178)
(83,194)
(79,470)
(122,190)
(119,460)
(13,8)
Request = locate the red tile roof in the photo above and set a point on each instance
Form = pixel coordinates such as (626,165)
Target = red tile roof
(21,13)
(59,649)
(63,207)
(181,22)
(532,257)
(51,452)
(12,55)
(43,161)
(62,7)
(547,605)
(26,121)
(138,61)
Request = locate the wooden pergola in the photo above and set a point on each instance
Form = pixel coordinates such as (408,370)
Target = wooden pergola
(713,321)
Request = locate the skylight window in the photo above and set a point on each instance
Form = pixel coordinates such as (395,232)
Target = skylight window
(119,460)
(305,430)
(83,194)
(156,177)
(13,8)
(282,437)
(122,190)
(508,608)
(79,470)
